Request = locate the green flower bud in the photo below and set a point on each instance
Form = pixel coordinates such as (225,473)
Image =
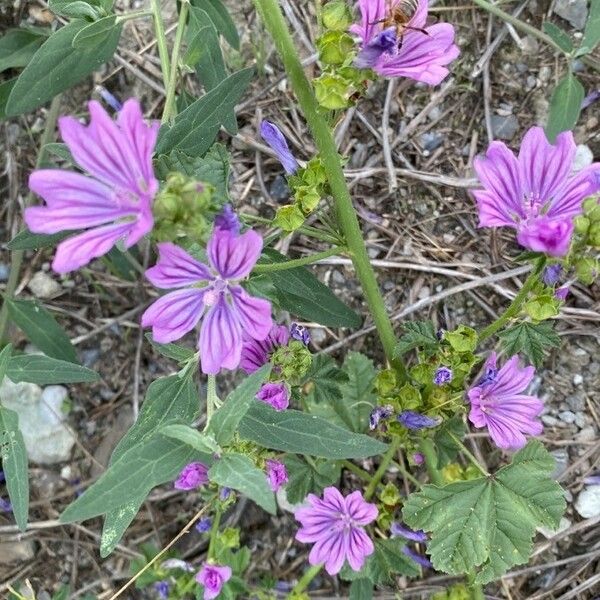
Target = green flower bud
(335,47)
(307,199)
(586,270)
(336,16)
(288,218)
(542,307)
(410,397)
(589,204)
(332,91)
(422,373)
(452,472)
(462,339)
(292,361)
(385,383)
(594,214)
(230,538)
(582,224)
(594,235)
(390,495)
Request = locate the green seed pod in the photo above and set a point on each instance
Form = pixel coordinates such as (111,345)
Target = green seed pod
(589,204)
(332,91)
(336,16)
(586,270)
(582,224)
(594,235)
(334,47)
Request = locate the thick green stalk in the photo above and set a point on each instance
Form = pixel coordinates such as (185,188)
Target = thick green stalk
(161,42)
(170,109)
(356,470)
(517,303)
(431,461)
(212,400)
(214,530)
(16,257)
(298,262)
(346,215)
(469,455)
(305,580)
(383,467)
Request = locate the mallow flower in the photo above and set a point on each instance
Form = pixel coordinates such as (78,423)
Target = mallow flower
(213,578)
(192,476)
(210,293)
(336,527)
(417,51)
(272,135)
(112,202)
(277,474)
(499,403)
(535,192)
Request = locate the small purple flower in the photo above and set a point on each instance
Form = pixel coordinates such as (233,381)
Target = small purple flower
(336,527)
(114,204)
(590,99)
(256,353)
(379,413)
(552,274)
(276,394)
(162,589)
(419,558)
(442,375)
(534,193)
(5,506)
(421,52)
(414,420)
(561,293)
(500,404)
(227,220)
(213,577)
(418,458)
(192,476)
(225,308)
(276,474)
(224,493)
(300,333)
(204,525)
(399,530)
(111,100)
(272,135)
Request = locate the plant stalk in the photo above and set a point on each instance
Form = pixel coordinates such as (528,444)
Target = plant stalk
(298,262)
(346,215)
(213,533)
(161,42)
(211,397)
(383,467)
(305,580)
(469,455)
(431,460)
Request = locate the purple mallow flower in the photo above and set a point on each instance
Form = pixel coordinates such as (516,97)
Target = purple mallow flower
(561,293)
(227,220)
(336,527)
(498,403)
(114,204)
(414,420)
(204,525)
(213,577)
(379,413)
(276,474)
(276,394)
(418,558)
(420,52)
(418,458)
(442,375)
(224,493)
(552,274)
(256,353)
(109,98)
(192,476)
(399,530)
(300,333)
(162,589)
(272,135)
(225,308)
(534,193)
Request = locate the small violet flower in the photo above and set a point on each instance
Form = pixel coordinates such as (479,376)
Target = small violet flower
(213,577)
(114,204)
(498,403)
(418,458)
(225,308)
(162,589)
(109,98)
(414,420)
(204,525)
(442,375)
(300,333)
(399,530)
(256,353)
(552,274)
(224,493)
(336,527)
(419,52)
(534,193)
(561,293)
(275,393)
(192,476)
(379,413)
(272,135)
(5,506)
(276,474)
(418,558)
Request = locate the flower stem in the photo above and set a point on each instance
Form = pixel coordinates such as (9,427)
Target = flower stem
(16,257)
(214,530)
(356,470)
(476,589)
(161,41)
(170,109)
(305,580)
(212,399)
(469,455)
(137,14)
(517,303)
(431,461)
(383,466)
(346,215)
(298,262)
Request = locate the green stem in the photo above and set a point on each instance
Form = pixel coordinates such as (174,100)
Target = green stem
(346,215)
(16,257)
(383,467)
(211,397)
(298,262)
(305,580)
(138,14)
(170,109)
(161,41)
(431,460)
(214,530)
(469,454)
(406,473)
(517,303)
(476,588)
(356,470)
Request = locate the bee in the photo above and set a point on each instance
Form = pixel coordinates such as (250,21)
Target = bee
(399,14)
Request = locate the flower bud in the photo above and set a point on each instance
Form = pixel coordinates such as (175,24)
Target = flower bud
(332,91)
(288,218)
(582,224)
(589,204)
(334,47)
(586,270)
(336,16)
(594,235)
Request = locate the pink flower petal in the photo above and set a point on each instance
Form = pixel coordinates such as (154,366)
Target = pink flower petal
(176,268)
(231,255)
(254,313)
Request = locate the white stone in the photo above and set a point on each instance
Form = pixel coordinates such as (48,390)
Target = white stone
(584,157)
(41,419)
(548,532)
(577,379)
(43,286)
(588,502)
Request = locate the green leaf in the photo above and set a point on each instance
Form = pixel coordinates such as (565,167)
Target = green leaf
(74,9)
(221,19)
(211,168)
(418,334)
(238,472)
(44,370)
(194,129)
(95,33)
(300,433)
(225,421)
(41,329)
(445,445)
(179,353)
(530,339)
(565,106)
(5,90)
(489,522)
(560,37)
(591,35)
(17,46)
(13,454)
(192,437)
(168,399)
(61,151)
(326,377)
(25,240)
(361,589)
(55,67)
(301,293)
(304,478)
(358,398)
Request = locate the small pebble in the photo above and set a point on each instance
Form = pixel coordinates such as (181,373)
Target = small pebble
(43,286)
(567,416)
(504,127)
(549,420)
(588,502)
(577,379)
(4,272)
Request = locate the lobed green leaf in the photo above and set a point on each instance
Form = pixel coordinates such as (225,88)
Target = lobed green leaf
(533,340)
